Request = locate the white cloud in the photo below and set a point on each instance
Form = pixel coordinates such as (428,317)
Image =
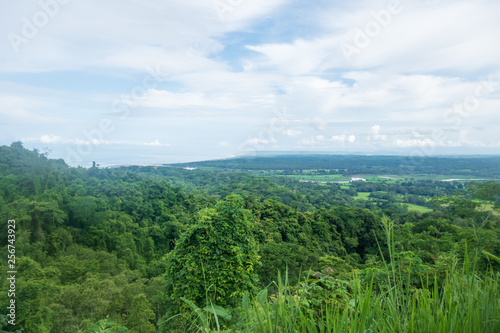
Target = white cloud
(230,74)
(166,99)
(154,143)
(291,132)
(298,58)
(169,61)
(235,15)
(47,139)
(126,33)
(376,134)
(53,139)
(50,139)
(337,138)
(256,141)
(414,143)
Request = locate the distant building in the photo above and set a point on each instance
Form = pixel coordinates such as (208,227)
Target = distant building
(357,179)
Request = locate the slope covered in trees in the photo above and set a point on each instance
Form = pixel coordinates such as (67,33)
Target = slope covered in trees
(123,248)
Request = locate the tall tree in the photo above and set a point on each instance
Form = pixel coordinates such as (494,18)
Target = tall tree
(214,260)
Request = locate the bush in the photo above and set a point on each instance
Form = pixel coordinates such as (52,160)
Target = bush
(213,262)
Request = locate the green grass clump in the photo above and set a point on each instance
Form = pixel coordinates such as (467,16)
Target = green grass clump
(458,304)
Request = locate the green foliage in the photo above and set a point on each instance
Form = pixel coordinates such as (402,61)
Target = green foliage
(489,191)
(92,244)
(460,303)
(214,260)
(107,326)
(141,315)
(208,316)
(323,292)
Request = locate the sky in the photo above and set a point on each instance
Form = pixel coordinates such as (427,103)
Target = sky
(157,81)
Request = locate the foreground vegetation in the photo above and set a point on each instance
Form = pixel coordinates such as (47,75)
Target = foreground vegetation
(464,300)
(143,249)
(460,303)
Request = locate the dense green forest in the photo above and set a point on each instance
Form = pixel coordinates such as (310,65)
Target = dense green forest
(250,245)
(471,166)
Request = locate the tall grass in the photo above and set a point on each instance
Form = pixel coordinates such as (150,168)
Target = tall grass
(461,302)
(462,305)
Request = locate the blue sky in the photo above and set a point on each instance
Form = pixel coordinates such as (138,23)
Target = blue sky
(143,82)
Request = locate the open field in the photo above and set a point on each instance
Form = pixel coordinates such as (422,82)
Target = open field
(487,208)
(399,198)
(310,175)
(320,178)
(363,195)
(420,209)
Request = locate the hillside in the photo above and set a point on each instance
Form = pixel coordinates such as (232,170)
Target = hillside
(105,250)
